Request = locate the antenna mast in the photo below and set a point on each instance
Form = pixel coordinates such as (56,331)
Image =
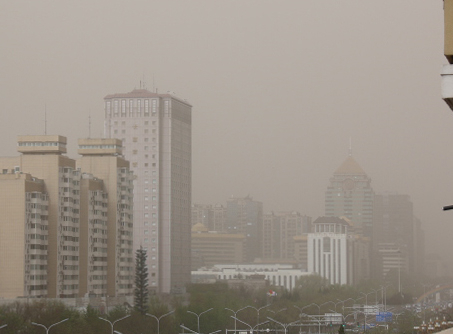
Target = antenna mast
(89,125)
(350,146)
(45,119)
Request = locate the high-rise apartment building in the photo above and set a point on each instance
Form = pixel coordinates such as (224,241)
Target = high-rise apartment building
(65,226)
(155,130)
(245,216)
(350,195)
(102,158)
(23,235)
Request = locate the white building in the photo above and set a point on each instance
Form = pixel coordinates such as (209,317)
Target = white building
(156,133)
(279,275)
(328,253)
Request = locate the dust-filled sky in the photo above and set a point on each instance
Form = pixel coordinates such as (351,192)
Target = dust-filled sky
(278,88)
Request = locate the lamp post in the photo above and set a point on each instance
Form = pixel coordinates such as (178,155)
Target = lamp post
(158,319)
(113,323)
(276,312)
(316,319)
(285,326)
(258,311)
(47,329)
(198,317)
(252,329)
(342,303)
(366,303)
(327,303)
(235,315)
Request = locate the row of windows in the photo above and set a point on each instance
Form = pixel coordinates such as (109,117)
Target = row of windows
(40,143)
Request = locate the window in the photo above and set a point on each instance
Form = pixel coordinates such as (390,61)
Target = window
(134,139)
(134,151)
(123,107)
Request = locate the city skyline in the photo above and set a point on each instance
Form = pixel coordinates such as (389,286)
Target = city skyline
(278,90)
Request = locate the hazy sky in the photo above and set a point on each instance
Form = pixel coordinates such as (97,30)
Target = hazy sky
(277,88)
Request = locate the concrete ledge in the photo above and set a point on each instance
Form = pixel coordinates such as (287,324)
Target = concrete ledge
(447,84)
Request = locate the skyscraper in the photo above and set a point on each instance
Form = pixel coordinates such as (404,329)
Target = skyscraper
(156,133)
(350,195)
(396,230)
(244,215)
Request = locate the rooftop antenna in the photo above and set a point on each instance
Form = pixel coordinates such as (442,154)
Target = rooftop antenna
(45,119)
(89,125)
(154,86)
(350,146)
(144,83)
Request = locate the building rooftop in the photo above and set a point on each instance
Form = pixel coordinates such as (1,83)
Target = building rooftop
(350,167)
(143,93)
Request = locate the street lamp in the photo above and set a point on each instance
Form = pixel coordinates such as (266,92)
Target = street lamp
(285,326)
(343,301)
(366,303)
(326,303)
(235,313)
(316,319)
(198,317)
(3,326)
(158,319)
(252,329)
(113,323)
(47,329)
(258,311)
(276,312)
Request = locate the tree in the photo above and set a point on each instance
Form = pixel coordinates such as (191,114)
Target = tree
(141,282)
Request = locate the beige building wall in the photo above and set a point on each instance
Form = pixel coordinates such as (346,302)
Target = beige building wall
(23,236)
(300,250)
(42,157)
(100,159)
(217,248)
(93,236)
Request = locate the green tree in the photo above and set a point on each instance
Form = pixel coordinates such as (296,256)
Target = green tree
(141,282)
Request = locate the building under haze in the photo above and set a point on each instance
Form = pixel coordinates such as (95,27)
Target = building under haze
(108,231)
(278,233)
(336,252)
(57,222)
(398,240)
(350,195)
(245,216)
(155,130)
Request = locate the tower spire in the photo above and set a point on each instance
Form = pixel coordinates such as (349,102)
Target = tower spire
(350,146)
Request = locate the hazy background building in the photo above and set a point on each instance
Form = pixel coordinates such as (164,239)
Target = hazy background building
(350,195)
(397,234)
(213,247)
(156,133)
(245,216)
